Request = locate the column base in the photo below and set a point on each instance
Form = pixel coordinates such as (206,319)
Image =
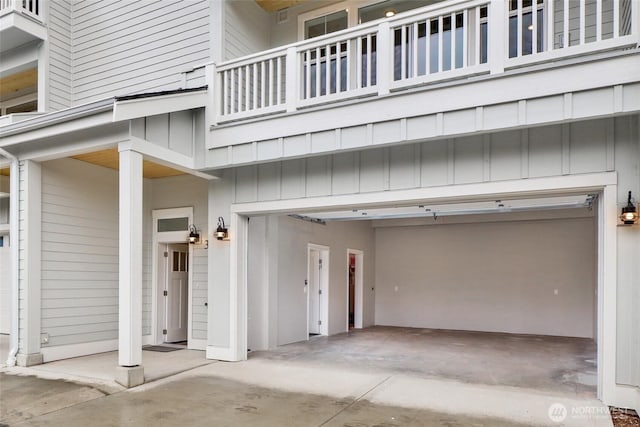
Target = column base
(29,359)
(130,376)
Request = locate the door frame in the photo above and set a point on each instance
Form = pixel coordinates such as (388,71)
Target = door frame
(358,294)
(323,252)
(164,238)
(605,183)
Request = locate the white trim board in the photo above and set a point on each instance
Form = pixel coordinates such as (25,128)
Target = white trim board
(605,183)
(170,237)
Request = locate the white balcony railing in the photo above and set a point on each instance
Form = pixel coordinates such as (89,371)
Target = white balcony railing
(453,39)
(31,8)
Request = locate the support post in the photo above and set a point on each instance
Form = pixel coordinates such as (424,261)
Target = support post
(498,40)
(130,373)
(30,263)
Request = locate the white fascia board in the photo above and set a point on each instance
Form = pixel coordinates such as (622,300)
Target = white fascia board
(72,124)
(26,130)
(154,105)
(27,25)
(512,86)
(463,192)
(19,59)
(163,156)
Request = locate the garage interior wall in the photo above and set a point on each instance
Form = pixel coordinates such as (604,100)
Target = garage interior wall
(529,277)
(276,296)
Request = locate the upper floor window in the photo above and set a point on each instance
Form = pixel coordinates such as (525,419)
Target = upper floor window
(350,13)
(326,24)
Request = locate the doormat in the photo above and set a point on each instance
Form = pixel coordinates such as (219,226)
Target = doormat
(160,348)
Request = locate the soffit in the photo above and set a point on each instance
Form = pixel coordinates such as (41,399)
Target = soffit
(18,84)
(110,159)
(275,5)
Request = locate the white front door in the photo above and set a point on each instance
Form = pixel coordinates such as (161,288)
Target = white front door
(315,291)
(177,293)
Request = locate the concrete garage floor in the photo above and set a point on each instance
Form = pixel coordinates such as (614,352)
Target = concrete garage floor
(373,377)
(547,364)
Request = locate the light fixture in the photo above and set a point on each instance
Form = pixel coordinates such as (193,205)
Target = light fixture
(221,232)
(194,236)
(629,214)
(389,13)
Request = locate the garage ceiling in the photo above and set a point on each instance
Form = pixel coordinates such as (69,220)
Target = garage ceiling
(468,208)
(110,159)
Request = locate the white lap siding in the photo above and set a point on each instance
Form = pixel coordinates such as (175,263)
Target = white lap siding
(79,252)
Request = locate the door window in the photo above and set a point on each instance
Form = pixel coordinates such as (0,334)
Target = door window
(180,261)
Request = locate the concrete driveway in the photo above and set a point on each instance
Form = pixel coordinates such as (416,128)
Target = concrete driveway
(298,385)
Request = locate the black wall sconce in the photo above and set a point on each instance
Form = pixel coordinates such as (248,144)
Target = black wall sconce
(629,215)
(194,236)
(221,233)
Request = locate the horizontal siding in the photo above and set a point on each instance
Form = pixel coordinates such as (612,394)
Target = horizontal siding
(131,47)
(246,29)
(79,252)
(199,288)
(60,56)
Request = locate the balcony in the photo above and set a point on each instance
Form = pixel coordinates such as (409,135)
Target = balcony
(21,21)
(451,41)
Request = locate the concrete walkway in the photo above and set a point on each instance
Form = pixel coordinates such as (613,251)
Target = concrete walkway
(339,380)
(98,369)
(272,393)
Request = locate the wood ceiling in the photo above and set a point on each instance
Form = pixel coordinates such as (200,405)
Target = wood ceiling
(110,159)
(18,84)
(275,5)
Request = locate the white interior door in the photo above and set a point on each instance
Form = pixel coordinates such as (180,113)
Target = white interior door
(5,278)
(177,293)
(315,291)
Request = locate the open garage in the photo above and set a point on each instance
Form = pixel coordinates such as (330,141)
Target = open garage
(493,291)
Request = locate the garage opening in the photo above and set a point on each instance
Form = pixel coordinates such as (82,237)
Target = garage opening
(502,291)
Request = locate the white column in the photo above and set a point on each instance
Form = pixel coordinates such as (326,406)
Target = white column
(130,308)
(384,72)
(30,263)
(498,37)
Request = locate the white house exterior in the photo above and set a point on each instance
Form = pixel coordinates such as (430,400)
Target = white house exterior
(475,175)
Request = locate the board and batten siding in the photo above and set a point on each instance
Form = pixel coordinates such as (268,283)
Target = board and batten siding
(60,55)
(575,148)
(79,252)
(246,29)
(131,47)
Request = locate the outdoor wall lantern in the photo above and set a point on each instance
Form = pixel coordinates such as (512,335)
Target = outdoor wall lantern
(222,233)
(629,215)
(194,236)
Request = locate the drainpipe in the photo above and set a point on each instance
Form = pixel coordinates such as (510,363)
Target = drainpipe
(13,230)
